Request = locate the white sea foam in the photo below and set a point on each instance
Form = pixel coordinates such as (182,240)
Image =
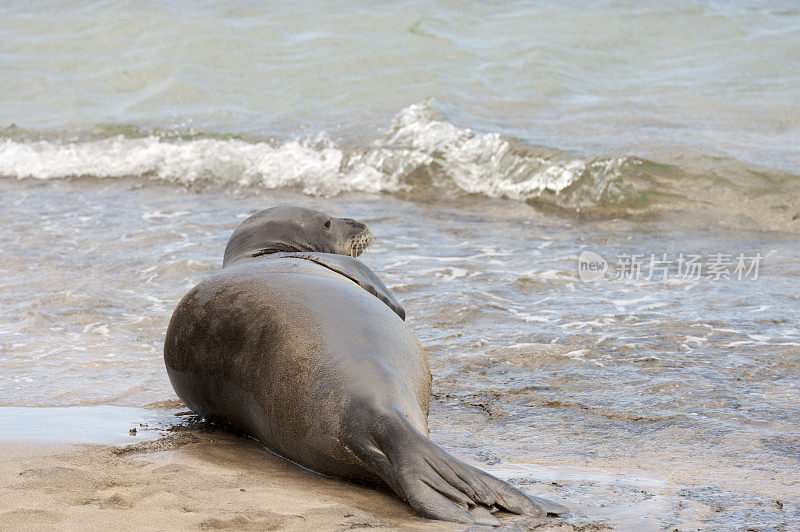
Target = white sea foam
(418,143)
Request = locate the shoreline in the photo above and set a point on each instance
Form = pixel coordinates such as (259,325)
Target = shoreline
(636,404)
(191,475)
(191,479)
(194,477)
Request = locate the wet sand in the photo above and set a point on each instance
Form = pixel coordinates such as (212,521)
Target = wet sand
(189,480)
(194,478)
(182,474)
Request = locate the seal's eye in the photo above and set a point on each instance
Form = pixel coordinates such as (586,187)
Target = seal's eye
(327,225)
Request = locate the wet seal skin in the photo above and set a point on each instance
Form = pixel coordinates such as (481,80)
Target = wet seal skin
(298,344)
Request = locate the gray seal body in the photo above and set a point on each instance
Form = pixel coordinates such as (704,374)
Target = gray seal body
(308,352)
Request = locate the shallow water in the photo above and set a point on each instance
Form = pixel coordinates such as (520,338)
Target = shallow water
(103,424)
(490,151)
(680,396)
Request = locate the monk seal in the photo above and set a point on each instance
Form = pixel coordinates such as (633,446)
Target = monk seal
(298,344)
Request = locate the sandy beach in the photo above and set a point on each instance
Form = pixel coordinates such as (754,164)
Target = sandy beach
(193,478)
(182,474)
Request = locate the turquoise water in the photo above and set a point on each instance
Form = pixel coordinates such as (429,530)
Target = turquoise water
(626,108)
(671,81)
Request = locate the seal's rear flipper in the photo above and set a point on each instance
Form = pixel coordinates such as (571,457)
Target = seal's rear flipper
(437,485)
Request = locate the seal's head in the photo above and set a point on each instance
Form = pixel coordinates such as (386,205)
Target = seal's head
(287,229)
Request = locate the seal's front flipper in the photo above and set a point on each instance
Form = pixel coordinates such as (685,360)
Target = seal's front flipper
(437,485)
(356,271)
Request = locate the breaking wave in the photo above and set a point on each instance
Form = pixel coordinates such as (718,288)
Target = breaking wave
(419,151)
(420,156)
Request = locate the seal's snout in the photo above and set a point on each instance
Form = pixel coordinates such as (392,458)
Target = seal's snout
(360,242)
(360,237)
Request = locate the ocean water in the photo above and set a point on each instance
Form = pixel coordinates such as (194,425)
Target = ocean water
(498,153)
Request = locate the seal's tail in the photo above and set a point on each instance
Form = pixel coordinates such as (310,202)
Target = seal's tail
(438,486)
